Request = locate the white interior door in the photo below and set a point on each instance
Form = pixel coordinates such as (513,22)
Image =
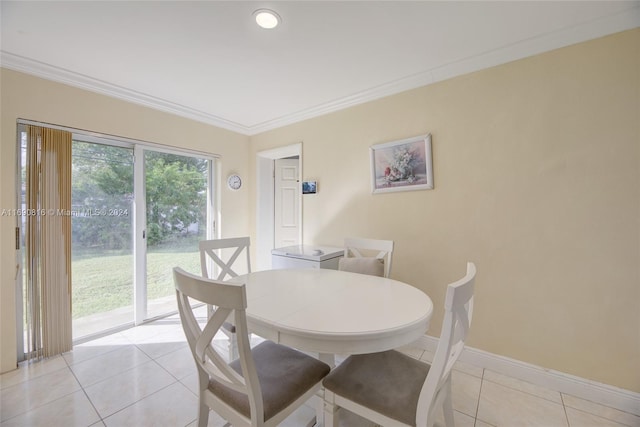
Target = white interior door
(287,202)
(265,210)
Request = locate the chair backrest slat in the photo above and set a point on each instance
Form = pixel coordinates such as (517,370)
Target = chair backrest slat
(217,250)
(455,328)
(211,328)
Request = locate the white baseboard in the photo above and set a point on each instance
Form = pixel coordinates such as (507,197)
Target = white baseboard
(624,400)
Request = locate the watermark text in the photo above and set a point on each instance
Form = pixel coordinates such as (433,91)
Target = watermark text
(84,212)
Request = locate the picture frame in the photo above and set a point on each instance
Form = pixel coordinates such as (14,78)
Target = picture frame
(404,165)
(309,187)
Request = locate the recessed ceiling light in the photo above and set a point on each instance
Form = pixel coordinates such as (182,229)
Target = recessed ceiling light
(266,18)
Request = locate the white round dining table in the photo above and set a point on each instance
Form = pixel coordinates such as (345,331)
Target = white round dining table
(334,312)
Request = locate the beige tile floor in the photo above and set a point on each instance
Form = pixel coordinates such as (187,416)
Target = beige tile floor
(145,376)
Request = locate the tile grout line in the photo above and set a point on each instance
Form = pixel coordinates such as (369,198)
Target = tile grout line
(528,393)
(564,408)
(621,424)
(177,380)
(599,415)
(27,380)
(475,417)
(142,398)
(102,419)
(84,391)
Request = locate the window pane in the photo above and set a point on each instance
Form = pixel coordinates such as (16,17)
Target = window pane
(176,196)
(102,255)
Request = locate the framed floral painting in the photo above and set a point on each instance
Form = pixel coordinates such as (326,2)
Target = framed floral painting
(402,165)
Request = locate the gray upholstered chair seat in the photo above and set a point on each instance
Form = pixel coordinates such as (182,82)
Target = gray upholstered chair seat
(284,375)
(387,382)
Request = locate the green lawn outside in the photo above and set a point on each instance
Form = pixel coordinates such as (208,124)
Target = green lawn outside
(103,281)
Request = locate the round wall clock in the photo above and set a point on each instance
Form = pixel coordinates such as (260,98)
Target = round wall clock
(234,182)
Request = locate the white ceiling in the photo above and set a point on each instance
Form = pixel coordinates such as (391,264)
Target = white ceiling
(208,60)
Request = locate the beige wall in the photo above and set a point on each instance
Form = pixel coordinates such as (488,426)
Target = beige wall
(27,97)
(537,180)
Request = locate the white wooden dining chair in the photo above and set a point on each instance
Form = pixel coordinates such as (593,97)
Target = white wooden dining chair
(393,389)
(219,260)
(367,256)
(260,388)
(219,251)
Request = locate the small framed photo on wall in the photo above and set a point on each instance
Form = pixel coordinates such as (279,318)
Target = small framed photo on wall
(309,187)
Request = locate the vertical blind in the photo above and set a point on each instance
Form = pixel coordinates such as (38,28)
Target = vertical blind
(48,242)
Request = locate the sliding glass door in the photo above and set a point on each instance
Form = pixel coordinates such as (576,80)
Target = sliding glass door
(102,230)
(137,212)
(176,188)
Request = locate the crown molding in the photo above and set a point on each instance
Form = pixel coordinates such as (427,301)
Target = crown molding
(49,72)
(600,27)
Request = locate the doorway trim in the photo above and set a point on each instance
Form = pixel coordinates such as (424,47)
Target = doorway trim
(265,191)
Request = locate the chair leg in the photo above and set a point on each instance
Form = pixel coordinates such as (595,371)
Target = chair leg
(330,410)
(319,404)
(447,405)
(203,410)
(233,347)
(203,415)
